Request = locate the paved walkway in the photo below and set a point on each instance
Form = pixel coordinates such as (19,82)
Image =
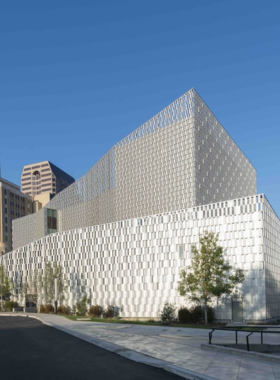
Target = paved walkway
(175,349)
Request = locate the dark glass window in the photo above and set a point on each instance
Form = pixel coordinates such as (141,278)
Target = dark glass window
(52,220)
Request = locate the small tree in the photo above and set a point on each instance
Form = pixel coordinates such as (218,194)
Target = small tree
(48,279)
(209,275)
(82,306)
(5,285)
(168,313)
(33,289)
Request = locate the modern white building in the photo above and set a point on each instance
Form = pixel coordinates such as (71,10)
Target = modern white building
(124,231)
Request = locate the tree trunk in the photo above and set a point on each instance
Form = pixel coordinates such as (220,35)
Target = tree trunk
(205,313)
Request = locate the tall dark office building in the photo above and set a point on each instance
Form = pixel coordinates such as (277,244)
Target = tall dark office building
(44,177)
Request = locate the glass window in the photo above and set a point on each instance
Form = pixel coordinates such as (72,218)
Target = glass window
(181,251)
(52,220)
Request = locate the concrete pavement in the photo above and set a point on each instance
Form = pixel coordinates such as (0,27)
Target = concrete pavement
(30,350)
(177,350)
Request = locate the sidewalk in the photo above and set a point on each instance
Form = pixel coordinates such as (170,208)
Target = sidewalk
(174,349)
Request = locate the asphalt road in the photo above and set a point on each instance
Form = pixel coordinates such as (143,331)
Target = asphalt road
(30,350)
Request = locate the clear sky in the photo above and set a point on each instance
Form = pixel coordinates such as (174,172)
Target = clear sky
(78,76)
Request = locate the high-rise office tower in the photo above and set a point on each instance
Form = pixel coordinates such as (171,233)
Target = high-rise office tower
(42,181)
(13,204)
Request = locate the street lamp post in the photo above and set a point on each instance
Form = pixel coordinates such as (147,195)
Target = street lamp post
(55,295)
(2,284)
(1,296)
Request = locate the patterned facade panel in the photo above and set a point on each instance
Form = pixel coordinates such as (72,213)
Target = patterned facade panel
(156,173)
(271,247)
(33,227)
(222,170)
(135,264)
(164,165)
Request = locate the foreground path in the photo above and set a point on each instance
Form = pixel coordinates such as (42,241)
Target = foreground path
(176,349)
(30,350)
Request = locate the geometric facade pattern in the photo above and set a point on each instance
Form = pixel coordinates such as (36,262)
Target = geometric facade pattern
(180,158)
(124,231)
(135,264)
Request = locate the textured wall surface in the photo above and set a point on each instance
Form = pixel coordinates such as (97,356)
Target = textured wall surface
(135,264)
(271,244)
(29,228)
(181,157)
(222,171)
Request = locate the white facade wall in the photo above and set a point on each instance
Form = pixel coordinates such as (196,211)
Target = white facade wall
(271,246)
(182,157)
(135,264)
(222,171)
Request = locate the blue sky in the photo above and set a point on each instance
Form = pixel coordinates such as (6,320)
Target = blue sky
(77,77)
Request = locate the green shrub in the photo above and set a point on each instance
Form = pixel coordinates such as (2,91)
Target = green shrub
(198,315)
(9,305)
(95,311)
(109,312)
(168,313)
(65,310)
(184,315)
(42,309)
(82,306)
(49,308)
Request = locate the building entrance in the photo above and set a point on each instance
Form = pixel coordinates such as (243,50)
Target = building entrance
(237,311)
